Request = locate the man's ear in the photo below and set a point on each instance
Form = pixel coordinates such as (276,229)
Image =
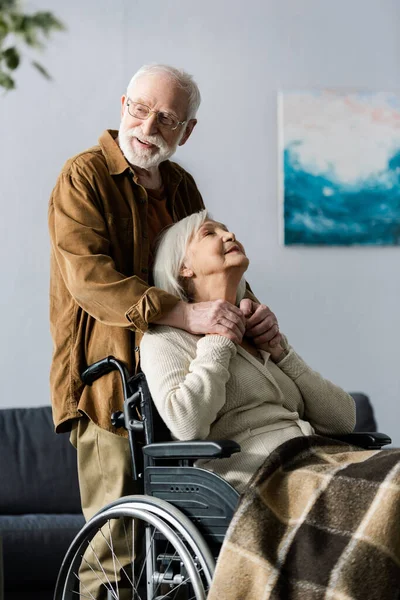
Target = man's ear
(123,104)
(189,128)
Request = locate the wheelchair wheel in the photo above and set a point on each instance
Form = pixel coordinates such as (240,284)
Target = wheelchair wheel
(139,548)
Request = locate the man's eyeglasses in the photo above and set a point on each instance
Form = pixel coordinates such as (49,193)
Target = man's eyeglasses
(141,111)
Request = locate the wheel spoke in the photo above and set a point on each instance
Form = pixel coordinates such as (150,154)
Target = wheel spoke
(166,563)
(119,563)
(80,593)
(113,557)
(110,589)
(130,552)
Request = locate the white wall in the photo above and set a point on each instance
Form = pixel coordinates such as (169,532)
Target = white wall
(338,306)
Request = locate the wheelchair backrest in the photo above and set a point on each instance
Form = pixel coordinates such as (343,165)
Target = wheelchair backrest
(155,430)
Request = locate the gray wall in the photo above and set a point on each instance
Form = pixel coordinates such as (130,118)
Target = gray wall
(339,307)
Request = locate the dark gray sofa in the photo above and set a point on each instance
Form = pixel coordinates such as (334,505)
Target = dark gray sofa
(39,498)
(40,509)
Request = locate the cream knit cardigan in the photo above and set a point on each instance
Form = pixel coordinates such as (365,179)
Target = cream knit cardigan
(207,387)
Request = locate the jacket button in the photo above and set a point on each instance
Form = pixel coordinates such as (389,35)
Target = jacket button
(144,270)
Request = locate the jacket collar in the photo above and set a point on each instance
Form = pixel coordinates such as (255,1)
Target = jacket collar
(116,161)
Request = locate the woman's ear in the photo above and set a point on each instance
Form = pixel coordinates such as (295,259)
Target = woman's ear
(186,276)
(186,272)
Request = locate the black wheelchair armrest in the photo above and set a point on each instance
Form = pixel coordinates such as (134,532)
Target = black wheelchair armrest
(366,440)
(192,450)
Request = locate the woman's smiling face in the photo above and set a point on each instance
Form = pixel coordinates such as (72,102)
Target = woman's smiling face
(214,250)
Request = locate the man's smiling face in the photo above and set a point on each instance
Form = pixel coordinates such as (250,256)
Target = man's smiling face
(146,142)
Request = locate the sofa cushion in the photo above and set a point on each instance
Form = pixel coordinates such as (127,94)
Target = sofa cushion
(34,547)
(38,467)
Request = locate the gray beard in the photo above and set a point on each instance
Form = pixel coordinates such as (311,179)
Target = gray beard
(141,161)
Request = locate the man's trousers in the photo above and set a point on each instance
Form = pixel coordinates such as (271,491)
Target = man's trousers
(105,474)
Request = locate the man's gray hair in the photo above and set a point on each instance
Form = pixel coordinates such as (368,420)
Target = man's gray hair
(181,77)
(171,252)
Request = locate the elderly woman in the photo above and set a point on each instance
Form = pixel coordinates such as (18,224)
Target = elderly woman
(208,386)
(319,519)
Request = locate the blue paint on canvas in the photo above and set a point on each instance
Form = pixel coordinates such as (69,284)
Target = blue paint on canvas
(341,168)
(319,209)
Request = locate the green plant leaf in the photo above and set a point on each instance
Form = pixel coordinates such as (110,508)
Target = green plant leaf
(11,57)
(7,4)
(6,81)
(47,22)
(41,70)
(17,23)
(4,29)
(29,30)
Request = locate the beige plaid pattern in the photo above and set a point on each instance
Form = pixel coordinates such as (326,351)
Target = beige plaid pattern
(319,520)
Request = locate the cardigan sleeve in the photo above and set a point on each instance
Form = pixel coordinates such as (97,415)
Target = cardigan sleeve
(327,407)
(187,382)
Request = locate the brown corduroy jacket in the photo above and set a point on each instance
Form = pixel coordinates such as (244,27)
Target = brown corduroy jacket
(101,302)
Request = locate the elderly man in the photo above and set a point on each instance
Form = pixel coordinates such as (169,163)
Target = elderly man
(108,205)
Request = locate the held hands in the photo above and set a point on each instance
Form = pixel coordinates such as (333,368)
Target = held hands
(220,317)
(262,326)
(261,323)
(215,317)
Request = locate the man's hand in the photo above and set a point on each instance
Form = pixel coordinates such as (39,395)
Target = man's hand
(218,317)
(261,325)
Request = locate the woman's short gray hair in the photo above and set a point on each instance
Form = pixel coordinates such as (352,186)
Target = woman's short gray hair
(181,77)
(171,253)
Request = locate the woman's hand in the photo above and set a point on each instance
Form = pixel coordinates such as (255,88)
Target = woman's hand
(262,326)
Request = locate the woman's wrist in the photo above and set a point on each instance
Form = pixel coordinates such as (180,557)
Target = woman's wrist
(221,347)
(278,353)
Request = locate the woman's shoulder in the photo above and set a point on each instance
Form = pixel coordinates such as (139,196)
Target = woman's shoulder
(164,335)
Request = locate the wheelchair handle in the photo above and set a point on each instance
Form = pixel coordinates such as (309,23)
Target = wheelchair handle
(104,366)
(98,369)
(128,417)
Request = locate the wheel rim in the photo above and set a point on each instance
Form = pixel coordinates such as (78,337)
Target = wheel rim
(166,567)
(174,517)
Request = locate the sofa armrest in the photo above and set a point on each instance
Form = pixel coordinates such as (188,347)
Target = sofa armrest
(192,450)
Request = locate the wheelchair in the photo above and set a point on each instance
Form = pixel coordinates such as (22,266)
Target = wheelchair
(172,531)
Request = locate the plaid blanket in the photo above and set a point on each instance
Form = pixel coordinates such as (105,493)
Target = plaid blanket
(320,519)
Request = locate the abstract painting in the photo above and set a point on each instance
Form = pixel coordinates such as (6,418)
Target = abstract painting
(340,167)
